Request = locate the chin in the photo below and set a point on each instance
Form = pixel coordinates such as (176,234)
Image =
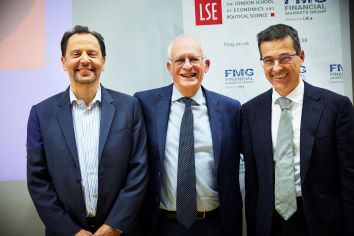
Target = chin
(85,80)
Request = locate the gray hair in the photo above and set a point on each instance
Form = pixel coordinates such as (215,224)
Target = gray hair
(171,44)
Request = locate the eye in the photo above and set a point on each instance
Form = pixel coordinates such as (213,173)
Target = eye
(194,59)
(285,59)
(179,61)
(75,54)
(93,54)
(268,61)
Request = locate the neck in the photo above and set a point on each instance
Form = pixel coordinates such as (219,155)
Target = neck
(85,92)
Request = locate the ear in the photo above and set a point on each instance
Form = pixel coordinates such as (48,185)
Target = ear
(302,56)
(63,62)
(103,62)
(169,67)
(207,65)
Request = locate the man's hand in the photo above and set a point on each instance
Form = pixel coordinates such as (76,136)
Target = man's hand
(106,230)
(84,233)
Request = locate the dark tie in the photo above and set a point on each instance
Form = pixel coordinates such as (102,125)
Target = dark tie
(284,188)
(186,188)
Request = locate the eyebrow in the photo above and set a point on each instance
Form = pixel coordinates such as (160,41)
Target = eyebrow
(282,54)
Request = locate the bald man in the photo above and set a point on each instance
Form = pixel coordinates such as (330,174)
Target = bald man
(210,183)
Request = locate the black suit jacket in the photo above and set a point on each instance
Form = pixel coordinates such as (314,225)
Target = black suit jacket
(326,163)
(224,116)
(53,171)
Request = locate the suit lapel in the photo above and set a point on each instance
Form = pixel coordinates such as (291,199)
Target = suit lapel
(214,114)
(107,114)
(311,113)
(162,112)
(263,128)
(66,124)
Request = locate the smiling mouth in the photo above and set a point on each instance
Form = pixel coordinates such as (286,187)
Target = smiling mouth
(280,76)
(84,71)
(188,75)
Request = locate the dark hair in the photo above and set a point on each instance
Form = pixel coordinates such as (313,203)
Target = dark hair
(276,32)
(79,29)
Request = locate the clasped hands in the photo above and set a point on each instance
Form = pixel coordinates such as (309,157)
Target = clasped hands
(104,230)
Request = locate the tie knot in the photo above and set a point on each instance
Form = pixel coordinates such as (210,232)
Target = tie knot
(187,101)
(284,103)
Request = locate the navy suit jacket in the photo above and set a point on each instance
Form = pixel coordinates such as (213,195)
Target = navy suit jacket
(53,171)
(326,163)
(224,116)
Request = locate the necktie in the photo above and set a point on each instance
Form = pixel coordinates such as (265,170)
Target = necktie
(284,188)
(186,202)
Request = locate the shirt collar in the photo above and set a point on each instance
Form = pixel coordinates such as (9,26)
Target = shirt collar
(296,96)
(97,97)
(198,97)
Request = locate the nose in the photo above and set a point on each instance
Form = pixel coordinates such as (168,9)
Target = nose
(84,59)
(277,66)
(187,64)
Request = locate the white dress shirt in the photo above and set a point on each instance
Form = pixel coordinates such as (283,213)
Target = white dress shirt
(86,121)
(207,195)
(296,96)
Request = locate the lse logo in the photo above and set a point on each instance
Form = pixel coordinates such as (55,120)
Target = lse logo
(208,12)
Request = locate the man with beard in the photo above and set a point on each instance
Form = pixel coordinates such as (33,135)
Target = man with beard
(86,148)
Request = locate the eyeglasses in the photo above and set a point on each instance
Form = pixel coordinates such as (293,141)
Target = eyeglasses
(282,59)
(193,60)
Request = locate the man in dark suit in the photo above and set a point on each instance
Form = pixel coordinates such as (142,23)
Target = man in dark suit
(86,148)
(318,197)
(216,203)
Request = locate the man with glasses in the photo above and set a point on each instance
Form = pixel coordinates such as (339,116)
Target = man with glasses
(194,151)
(297,141)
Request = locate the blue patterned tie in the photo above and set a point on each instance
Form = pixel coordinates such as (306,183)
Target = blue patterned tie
(186,185)
(284,187)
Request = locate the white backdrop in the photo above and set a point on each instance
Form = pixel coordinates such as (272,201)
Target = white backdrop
(231,44)
(228,29)
(137,34)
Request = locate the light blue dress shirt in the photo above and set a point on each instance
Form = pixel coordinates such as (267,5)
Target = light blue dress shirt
(207,195)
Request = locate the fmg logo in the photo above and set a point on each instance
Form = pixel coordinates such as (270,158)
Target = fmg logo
(208,12)
(335,68)
(304,1)
(238,73)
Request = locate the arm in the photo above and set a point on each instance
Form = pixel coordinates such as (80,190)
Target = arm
(40,185)
(251,175)
(345,152)
(127,204)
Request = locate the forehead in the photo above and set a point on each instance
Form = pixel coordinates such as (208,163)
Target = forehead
(83,41)
(186,46)
(276,47)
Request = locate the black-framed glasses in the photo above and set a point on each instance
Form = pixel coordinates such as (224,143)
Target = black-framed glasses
(193,60)
(282,59)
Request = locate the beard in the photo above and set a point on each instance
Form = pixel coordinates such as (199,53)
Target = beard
(85,80)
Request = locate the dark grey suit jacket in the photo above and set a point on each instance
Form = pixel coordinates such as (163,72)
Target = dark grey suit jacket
(53,171)
(326,163)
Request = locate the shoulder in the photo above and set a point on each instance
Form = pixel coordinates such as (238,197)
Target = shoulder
(51,102)
(154,92)
(119,96)
(220,98)
(150,97)
(260,100)
(326,97)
